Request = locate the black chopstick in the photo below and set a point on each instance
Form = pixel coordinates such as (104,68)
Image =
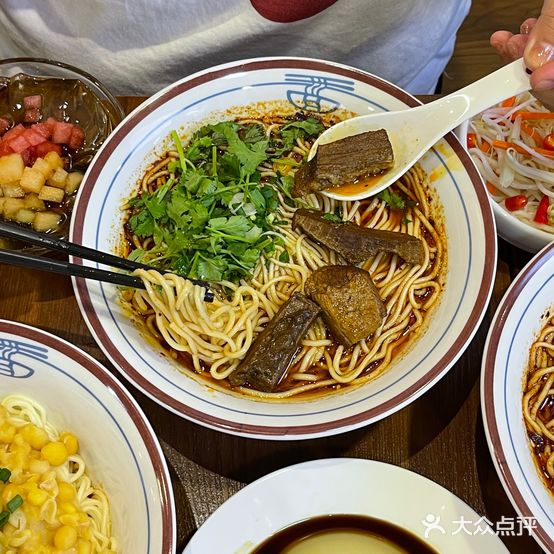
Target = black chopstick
(17,232)
(20,259)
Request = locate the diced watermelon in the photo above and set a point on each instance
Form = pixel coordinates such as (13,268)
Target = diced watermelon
(15,132)
(18,143)
(42,129)
(33,137)
(50,123)
(45,147)
(62,132)
(77,138)
(5,148)
(5,124)
(29,155)
(32,116)
(32,102)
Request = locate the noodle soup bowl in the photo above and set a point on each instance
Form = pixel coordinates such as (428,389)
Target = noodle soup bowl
(315,86)
(521,315)
(120,450)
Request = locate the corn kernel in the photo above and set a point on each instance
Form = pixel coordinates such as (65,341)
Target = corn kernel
(65,537)
(69,519)
(66,492)
(70,442)
(84,547)
(7,432)
(34,435)
(37,497)
(54,453)
(67,508)
(10,490)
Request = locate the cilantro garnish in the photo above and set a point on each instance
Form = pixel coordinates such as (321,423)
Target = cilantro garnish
(332,217)
(212,219)
(395,201)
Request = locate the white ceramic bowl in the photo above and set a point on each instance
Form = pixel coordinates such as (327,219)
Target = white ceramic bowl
(514,328)
(344,486)
(116,441)
(509,227)
(471,239)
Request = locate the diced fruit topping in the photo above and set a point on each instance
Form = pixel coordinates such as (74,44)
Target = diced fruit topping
(32,102)
(61,132)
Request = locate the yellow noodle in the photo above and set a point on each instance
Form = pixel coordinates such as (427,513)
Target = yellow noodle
(538,400)
(34,527)
(217,335)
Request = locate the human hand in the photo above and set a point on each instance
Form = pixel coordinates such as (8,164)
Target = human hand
(535,42)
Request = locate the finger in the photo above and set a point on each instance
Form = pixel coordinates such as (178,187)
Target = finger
(543,77)
(516,46)
(527,25)
(540,47)
(500,38)
(499,42)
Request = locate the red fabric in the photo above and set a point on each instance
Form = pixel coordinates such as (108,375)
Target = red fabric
(287,11)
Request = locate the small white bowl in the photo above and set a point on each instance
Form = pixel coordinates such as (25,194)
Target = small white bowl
(116,441)
(345,486)
(97,223)
(515,326)
(509,227)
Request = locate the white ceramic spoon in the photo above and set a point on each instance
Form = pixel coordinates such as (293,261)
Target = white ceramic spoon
(414,130)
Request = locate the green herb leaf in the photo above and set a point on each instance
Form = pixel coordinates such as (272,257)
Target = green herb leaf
(250,157)
(284,257)
(5,474)
(4,517)
(395,201)
(311,126)
(14,503)
(255,133)
(332,217)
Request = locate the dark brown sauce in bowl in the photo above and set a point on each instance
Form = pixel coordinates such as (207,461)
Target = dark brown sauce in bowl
(375,531)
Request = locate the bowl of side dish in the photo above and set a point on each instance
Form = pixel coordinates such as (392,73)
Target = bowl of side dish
(77,451)
(343,505)
(53,119)
(517,395)
(200,182)
(512,145)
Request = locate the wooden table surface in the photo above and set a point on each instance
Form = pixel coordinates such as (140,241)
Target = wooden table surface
(440,435)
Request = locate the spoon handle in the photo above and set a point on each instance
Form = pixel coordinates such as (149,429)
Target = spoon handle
(467,102)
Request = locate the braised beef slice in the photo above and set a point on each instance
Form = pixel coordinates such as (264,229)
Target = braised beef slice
(355,243)
(352,308)
(271,353)
(344,161)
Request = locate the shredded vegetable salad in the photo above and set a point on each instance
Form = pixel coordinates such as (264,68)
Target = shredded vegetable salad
(513,147)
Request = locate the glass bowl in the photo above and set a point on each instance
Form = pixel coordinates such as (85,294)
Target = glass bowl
(70,95)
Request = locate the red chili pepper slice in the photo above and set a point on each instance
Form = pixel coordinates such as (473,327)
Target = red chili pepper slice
(548,142)
(514,203)
(541,216)
(471,140)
